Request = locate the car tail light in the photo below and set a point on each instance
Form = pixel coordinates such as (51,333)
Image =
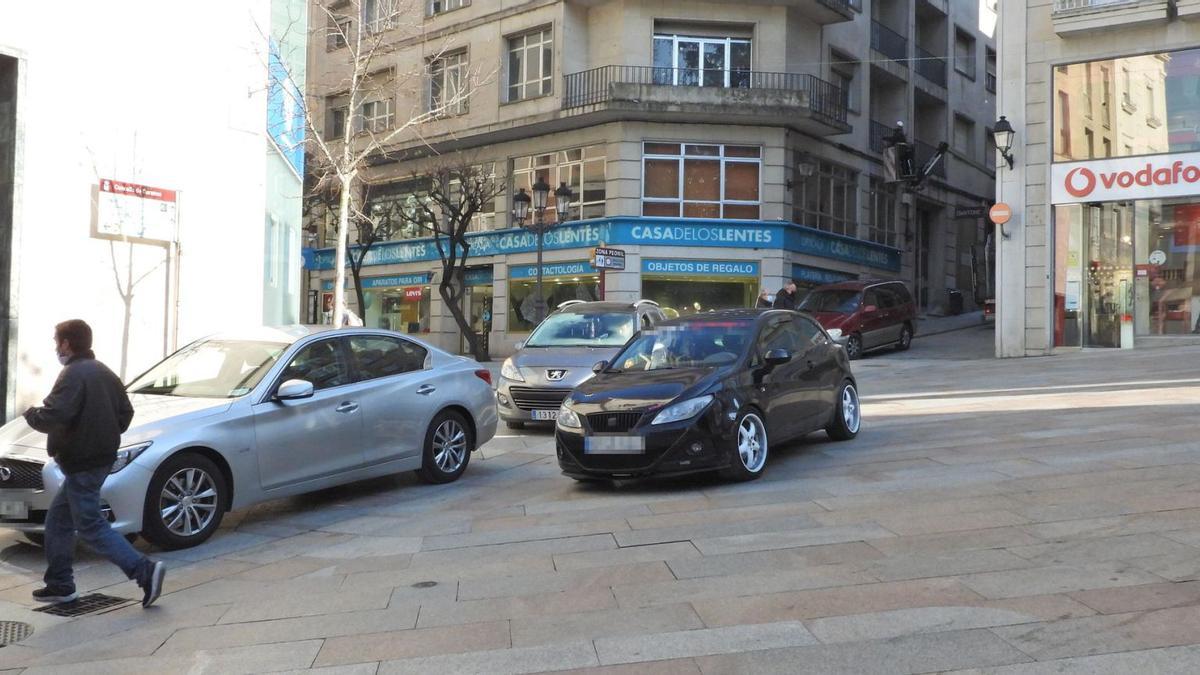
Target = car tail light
(484,374)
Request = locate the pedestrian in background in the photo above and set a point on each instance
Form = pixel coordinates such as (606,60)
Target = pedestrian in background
(764,300)
(83,418)
(786,297)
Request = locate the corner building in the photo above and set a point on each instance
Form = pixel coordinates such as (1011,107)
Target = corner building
(1103,250)
(724,146)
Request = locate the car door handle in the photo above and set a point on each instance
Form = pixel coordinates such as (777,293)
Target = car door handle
(426,389)
(347,407)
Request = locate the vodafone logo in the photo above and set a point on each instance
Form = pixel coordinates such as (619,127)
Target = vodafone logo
(1089,182)
(1126,178)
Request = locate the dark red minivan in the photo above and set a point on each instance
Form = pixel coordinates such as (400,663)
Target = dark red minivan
(869,314)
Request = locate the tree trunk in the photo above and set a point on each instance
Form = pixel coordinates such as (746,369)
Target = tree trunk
(446,290)
(339,264)
(356,272)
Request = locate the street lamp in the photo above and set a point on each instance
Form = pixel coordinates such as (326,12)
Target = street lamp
(1002,137)
(539,226)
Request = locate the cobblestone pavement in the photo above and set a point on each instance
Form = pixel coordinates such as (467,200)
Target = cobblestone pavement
(1039,515)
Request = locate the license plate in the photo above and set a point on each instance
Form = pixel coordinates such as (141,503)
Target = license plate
(614,445)
(547,415)
(14,510)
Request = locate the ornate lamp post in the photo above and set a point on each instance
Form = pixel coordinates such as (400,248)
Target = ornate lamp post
(539,226)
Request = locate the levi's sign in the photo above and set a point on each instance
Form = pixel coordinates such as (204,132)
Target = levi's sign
(1152,177)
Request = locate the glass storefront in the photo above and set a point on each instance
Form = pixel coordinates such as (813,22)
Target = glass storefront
(398,302)
(1126,269)
(808,278)
(560,282)
(478,304)
(684,287)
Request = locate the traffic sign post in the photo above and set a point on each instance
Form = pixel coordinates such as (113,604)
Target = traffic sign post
(604,258)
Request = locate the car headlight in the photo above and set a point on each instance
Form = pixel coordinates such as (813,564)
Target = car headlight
(567,418)
(509,372)
(684,410)
(834,333)
(127,454)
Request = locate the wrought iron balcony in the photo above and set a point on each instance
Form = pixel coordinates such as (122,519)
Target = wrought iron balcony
(879,131)
(889,43)
(708,95)
(930,67)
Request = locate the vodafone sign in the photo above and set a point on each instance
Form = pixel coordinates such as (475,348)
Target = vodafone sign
(1153,177)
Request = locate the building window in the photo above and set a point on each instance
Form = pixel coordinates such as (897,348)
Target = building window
(842,69)
(442,6)
(449,78)
(530,65)
(1064,124)
(335,120)
(582,169)
(380,15)
(1152,119)
(1089,139)
(1127,91)
(1105,97)
(989,80)
(964,136)
(882,213)
(701,61)
(338,33)
(1087,90)
(700,181)
(1107,148)
(828,198)
(964,53)
(377,116)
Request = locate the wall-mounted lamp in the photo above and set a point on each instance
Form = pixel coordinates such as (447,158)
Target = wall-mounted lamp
(1002,137)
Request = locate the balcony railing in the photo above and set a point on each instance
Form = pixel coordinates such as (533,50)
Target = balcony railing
(930,67)
(595,86)
(1071,5)
(879,131)
(889,43)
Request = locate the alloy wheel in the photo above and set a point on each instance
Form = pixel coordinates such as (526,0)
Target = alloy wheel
(851,412)
(449,446)
(854,347)
(752,443)
(188,502)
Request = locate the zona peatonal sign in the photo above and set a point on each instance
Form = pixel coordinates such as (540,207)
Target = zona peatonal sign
(1125,178)
(688,233)
(608,258)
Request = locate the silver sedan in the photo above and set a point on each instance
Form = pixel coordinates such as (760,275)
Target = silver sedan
(233,420)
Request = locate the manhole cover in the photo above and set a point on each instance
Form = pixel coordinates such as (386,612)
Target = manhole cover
(94,603)
(13,631)
(425,584)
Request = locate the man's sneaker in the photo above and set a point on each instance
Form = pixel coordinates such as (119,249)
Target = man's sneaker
(153,582)
(55,595)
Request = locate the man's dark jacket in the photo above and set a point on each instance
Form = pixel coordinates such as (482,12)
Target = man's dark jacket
(84,415)
(785,300)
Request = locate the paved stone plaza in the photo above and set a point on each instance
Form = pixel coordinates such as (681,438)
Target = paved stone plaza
(1036,515)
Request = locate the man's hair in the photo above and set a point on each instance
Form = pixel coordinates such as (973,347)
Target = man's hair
(790,282)
(77,334)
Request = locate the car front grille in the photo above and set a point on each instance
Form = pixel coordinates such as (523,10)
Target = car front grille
(613,422)
(535,398)
(21,475)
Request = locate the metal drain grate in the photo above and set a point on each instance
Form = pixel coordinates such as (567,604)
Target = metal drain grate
(13,631)
(94,603)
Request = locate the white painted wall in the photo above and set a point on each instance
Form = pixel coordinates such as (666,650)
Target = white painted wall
(165,94)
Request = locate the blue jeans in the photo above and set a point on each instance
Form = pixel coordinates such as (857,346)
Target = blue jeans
(76,510)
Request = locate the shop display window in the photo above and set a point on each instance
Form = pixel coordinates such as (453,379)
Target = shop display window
(404,310)
(522,307)
(684,296)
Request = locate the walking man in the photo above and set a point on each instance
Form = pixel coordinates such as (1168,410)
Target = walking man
(83,418)
(786,297)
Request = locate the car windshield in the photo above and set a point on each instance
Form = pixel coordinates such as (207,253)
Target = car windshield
(695,344)
(842,301)
(571,329)
(210,369)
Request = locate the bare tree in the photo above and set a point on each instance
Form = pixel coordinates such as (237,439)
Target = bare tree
(361,122)
(455,191)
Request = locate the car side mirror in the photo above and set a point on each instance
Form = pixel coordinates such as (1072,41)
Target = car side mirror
(520,345)
(293,390)
(870,309)
(777,357)
(599,367)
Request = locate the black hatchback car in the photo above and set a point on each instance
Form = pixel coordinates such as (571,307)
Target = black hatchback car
(708,392)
